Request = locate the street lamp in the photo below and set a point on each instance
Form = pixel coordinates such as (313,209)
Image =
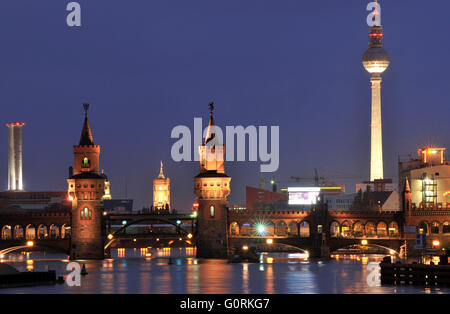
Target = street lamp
(364,242)
(436,243)
(30,243)
(190,236)
(110,236)
(269,241)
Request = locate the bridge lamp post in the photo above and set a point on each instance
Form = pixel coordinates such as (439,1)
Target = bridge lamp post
(364,242)
(436,243)
(269,241)
(261,229)
(190,236)
(30,243)
(245,247)
(110,236)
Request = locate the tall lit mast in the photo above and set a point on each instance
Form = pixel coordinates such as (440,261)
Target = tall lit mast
(376,61)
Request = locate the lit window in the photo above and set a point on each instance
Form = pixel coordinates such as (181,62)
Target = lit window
(85,162)
(212,210)
(86,214)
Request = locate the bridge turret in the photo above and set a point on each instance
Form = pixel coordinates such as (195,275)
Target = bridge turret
(212,187)
(86,190)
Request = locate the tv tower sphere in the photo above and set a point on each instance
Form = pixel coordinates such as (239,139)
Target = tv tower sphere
(376,59)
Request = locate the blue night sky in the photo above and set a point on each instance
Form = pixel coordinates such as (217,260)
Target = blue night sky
(146,66)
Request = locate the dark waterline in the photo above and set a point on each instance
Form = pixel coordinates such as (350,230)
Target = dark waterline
(129,271)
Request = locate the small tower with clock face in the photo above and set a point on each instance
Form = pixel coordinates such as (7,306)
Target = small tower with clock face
(212,187)
(86,189)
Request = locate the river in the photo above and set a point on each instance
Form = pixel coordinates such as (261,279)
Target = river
(171,271)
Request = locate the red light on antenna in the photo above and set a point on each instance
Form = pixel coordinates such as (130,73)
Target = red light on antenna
(195,205)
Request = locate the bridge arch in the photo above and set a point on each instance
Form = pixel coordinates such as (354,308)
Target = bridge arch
(358,229)
(305,229)
(30,232)
(370,229)
(42,231)
(446,227)
(18,232)
(335,229)
(422,227)
(346,229)
(434,227)
(6,232)
(292,227)
(147,219)
(394,230)
(382,229)
(281,228)
(234,228)
(54,231)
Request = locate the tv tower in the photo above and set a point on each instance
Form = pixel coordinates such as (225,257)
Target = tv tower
(376,61)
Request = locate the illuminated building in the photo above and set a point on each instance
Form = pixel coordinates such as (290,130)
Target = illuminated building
(428,177)
(161,191)
(376,61)
(15,182)
(86,188)
(212,187)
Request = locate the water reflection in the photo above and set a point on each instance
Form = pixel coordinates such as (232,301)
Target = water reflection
(172,270)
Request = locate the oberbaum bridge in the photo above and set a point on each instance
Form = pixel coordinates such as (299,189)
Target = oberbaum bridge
(84,229)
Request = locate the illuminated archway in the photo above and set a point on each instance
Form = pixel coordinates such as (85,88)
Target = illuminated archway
(30,232)
(434,229)
(446,227)
(65,231)
(393,229)
(54,232)
(234,229)
(6,232)
(292,229)
(382,229)
(358,229)
(42,232)
(246,229)
(345,229)
(304,229)
(281,228)
(370,228)
(18,232)
(334,229)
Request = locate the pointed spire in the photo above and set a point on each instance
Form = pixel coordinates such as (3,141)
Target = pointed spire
(86,134)
(407,187)
(161,172)
(210,133)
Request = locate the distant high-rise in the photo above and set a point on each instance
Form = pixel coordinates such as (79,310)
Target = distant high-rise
(15,182)
(376,61)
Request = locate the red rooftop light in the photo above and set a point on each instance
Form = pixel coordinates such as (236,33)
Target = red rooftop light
(15,123)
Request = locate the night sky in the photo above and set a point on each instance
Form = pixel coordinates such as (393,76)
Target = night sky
(146,66)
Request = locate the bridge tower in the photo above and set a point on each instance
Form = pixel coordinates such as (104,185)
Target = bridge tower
(212,187)
(86,189)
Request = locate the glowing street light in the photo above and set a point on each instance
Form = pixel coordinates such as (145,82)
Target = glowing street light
(30,243)
(261,229)
(436,243)
(245,247)
(269,241)
(110,236)
(178,222)
(190,236)
(364,242)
